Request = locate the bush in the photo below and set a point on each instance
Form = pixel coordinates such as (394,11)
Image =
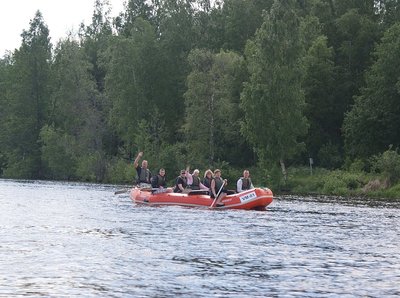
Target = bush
(333,184)
(341,183)
(92,167)
(388,164)
(120,172)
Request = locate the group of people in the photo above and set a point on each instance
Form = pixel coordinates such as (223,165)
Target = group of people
(212,182)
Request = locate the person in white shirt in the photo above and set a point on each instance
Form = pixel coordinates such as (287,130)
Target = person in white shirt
(244,183)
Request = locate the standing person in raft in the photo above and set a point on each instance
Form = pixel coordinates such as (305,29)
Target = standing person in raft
(218,185)
(181,182)
(143,173)
(244,183)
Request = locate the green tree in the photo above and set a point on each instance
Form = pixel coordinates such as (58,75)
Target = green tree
(76,130)
(241,20)
(5,66)
(132,83)
(211,101)
(325,120)
(95,39)
(273,100)
(389,11)
(28,101)
(373,123)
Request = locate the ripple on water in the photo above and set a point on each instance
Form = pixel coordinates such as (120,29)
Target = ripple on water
(72,239)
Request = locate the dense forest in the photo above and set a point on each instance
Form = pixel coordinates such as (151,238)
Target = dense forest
(233,84)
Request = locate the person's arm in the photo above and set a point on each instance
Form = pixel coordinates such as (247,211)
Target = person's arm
(189,178)
(136,162)
(213,187)
(239,185)
(202,186)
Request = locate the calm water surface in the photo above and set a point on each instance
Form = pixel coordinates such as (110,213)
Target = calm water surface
(66,240)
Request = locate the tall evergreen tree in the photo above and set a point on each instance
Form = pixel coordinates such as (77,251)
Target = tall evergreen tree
(28,100)
(321,110)
(5,66)
(74,133)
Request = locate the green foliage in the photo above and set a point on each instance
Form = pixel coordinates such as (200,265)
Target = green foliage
(119,171)
(58,154)
(204,83)
(132,79)
(242,19)
(19,168)
(388,164)
(212,118)
(392,192)
(173,159)
(27,97)
(91,167)
(374,123)
(272,99)
(357,166)
(324,118)
(329,156)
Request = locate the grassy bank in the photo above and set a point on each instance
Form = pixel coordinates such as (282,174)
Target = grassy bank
(340,183)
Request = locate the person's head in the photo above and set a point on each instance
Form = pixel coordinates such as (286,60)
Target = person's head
(144,164)
(217,173)
(162,172)
(183,173)
(208,173)
(196,172)
(246,174)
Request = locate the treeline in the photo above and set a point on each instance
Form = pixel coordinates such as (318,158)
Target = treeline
(234,84)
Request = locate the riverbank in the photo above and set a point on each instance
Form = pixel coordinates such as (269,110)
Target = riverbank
(339,183)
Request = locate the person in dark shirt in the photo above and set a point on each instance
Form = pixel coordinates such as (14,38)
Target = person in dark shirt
(158,182)
(218,191)
(143,173)
(181,182)
(208,177)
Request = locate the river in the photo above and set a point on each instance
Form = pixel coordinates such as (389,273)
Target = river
(81,240)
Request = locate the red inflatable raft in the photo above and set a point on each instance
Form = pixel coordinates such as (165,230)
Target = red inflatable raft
(253,199)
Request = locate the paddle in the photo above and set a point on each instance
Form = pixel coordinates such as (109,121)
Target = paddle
(127,190)
(121,191)
(216,197)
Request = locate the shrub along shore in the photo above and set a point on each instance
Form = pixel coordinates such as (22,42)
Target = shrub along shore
(339,183)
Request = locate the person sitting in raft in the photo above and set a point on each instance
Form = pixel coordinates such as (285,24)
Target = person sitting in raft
(143,173)
(208,177)
(193,181)
(244,183)
(218,185)
(181,182)
(158,182)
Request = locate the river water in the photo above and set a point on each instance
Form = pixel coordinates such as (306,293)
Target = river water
(71,239)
